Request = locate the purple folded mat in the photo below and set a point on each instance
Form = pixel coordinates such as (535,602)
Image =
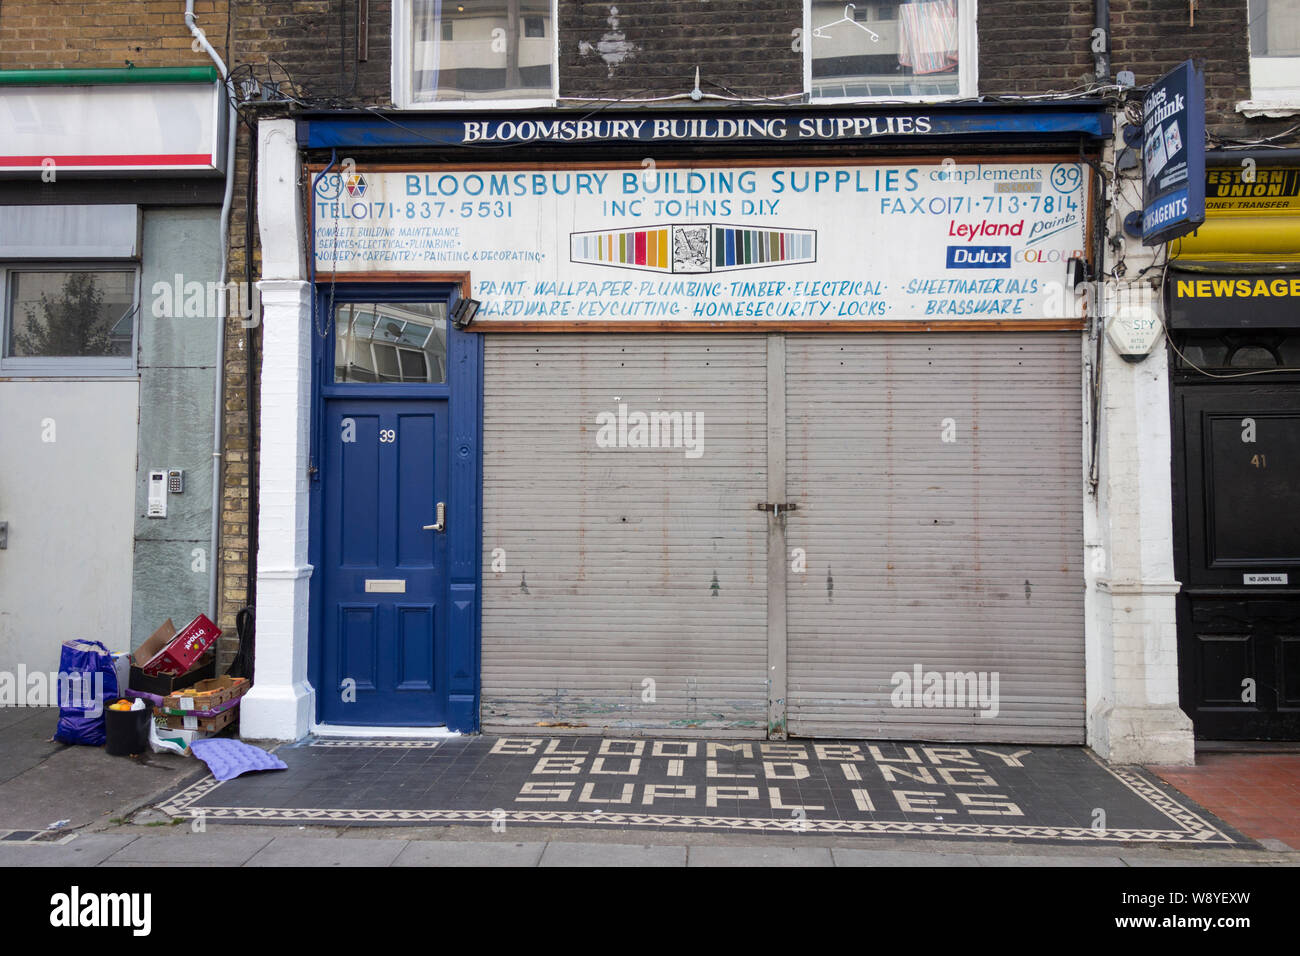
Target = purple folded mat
(228,758)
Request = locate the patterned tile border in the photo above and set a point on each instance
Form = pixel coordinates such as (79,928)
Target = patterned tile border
(377,744)
(1191,827)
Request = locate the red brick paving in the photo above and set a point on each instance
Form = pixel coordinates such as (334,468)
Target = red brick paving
(1259,794)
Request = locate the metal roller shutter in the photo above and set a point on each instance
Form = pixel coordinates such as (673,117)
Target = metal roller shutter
(958,556)
(624,564)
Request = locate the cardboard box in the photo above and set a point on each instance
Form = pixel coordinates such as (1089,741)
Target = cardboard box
(161,685)
(207,725)
(209,694)
(191,712)
(182,651)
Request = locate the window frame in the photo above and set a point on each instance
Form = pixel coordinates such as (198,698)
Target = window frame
(401,78)
(967,63)
(67,366)
(1286,96)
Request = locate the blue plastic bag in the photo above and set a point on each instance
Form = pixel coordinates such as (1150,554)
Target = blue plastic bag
(87,682)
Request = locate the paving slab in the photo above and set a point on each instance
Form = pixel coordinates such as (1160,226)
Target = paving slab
(208,849)
(458,853)
(1147,862)
(1045,860)
(844,856)
(85,849)
(26,733)
(612,854)
(759,856)
(310,851)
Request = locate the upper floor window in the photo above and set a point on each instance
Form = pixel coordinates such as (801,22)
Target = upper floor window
(474,53)
(1274,49)
(890,49)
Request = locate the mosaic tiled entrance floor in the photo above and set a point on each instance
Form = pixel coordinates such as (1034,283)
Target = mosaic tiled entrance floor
(1037,794)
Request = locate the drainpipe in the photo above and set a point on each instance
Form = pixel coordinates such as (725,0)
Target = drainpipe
(232,129)
(1102,57)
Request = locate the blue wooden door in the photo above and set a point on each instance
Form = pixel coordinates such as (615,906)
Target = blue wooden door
(385,569)
(382,575)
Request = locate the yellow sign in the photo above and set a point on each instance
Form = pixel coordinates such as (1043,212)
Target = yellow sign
(1251,190)
(1251,288)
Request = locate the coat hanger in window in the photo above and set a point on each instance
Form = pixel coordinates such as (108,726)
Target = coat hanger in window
(847,18)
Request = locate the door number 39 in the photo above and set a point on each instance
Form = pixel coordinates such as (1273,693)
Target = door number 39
(387,436)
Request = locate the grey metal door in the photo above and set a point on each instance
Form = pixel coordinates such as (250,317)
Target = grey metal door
(624,563)
(938,480)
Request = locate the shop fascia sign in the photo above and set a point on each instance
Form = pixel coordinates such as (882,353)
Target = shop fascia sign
(1222,299)
(857,126)
(1173,155)
(156,128)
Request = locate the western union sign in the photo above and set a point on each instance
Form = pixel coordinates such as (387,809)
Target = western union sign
(1251,190)
(1252,214)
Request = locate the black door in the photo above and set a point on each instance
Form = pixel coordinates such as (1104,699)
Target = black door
(1237,549)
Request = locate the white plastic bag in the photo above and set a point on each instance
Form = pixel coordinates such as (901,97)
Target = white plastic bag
(159,746)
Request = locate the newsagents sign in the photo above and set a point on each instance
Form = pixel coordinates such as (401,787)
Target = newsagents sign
(1173,152)
(685,244)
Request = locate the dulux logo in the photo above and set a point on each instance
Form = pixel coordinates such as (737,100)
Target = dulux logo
(979,257)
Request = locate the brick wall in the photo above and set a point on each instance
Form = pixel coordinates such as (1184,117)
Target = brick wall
(102,34)
(315,43)
(1030,47)
(1150,37)
(649,48)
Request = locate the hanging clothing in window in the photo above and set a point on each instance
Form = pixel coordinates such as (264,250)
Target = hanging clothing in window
(927,39)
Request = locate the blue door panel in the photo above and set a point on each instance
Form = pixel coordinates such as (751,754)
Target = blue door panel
(417,637)
(358,647)
(355,441)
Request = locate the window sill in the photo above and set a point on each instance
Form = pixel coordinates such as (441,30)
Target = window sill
(468,106)
(1270,108)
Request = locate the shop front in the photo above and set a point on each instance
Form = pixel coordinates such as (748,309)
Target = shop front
(1234,306)
(111,309)
(778,432)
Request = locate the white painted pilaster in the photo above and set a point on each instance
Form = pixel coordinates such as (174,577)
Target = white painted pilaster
(1132,645)
(282,702)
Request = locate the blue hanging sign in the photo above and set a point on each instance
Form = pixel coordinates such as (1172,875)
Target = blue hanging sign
(1173,155)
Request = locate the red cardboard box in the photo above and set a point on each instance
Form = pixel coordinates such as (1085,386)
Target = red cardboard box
(180,653)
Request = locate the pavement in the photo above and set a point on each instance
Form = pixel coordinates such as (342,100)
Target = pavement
(78,807)
(46,784)
(1257,793)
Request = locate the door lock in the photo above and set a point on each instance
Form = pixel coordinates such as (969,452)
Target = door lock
(442,519)
(778,508)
